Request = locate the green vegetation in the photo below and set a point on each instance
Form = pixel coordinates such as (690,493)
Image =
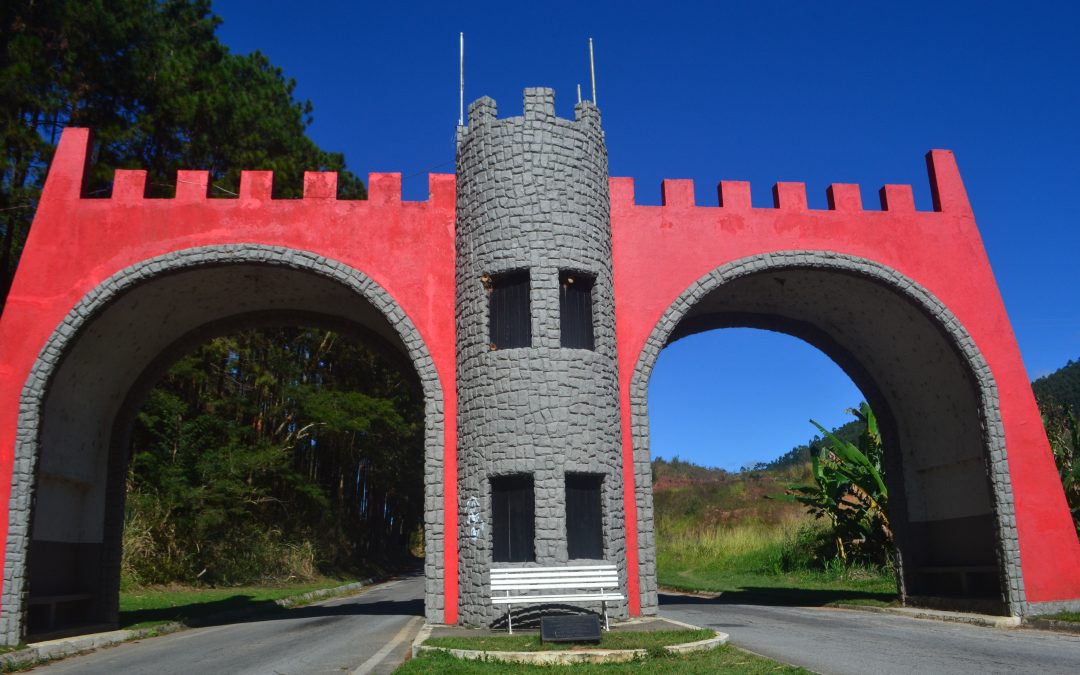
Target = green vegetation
(609,640)
(1062,387)
(718,532)
(160,92)
(275,455)
(767,564)
(1072,617)
(1063,431)
(849,491)
(1058,395)
(148,607)
(725,659)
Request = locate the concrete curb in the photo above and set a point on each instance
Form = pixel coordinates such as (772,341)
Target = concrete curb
(984,620)
(1052,624)
(421,637)
(565,657)
(51,650)
(311,596)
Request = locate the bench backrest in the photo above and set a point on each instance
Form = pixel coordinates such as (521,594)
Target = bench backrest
(544,578)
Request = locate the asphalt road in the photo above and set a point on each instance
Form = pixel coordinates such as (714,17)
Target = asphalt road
(372,632)
(366,633)
(842,642)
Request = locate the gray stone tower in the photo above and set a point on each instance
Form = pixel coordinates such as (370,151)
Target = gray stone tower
(538,400)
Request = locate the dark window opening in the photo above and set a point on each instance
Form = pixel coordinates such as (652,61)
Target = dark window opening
(509,320)
(584,516)
(575,310)
(512,519)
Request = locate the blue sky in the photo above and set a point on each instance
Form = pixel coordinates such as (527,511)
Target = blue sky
(818,92)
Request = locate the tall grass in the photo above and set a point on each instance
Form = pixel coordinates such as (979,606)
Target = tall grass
(153,555)
(719,533)
(748,546)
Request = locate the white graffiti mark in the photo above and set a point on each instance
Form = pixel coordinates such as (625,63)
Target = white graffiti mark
(474,524)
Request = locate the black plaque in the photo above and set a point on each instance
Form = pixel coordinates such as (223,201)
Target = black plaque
(579,628)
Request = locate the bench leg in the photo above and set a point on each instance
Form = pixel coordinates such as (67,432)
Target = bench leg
(509,618)
(607,626)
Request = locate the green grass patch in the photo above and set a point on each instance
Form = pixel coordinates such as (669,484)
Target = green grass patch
(609,640)
(764,563)
(1073,617)
(146,607)
(725,659)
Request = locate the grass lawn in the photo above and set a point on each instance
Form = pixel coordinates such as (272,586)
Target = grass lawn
(1074,617)
(609,640)
(803,588)
(725,659)
(743,561)
(145,607)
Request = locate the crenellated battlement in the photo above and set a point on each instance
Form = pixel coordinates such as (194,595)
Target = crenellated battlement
(129,186)
(945,185)
(538,106)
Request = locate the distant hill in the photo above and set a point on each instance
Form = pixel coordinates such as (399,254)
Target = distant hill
(688,495)
(1061,387)
(800,454)
(679,472)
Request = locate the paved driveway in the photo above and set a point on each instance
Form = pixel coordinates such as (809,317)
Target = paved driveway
(368,633)
(841,642)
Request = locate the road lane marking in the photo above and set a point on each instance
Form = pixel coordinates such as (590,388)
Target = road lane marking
(369,665)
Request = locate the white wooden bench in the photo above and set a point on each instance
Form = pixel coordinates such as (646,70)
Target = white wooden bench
(538,585)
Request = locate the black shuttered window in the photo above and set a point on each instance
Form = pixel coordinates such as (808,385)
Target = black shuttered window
(584,516)
(512,519)
(509,321)
(575,310)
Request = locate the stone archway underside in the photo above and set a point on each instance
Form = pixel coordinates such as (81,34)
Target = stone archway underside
(816,296)
(138,313)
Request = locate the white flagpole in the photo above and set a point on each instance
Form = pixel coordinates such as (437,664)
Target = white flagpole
(461,74)
(592,71)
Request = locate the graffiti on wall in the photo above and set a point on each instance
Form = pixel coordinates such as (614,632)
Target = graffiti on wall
(474,522)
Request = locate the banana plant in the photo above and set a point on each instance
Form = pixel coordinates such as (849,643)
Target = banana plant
(849,490)
(1063,431)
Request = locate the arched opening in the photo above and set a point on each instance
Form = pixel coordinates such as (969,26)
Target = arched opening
(936,404)
(79,406)
(732,441)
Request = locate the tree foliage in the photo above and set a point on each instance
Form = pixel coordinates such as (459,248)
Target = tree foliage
(160,93)
(1060,388)
(1058,395)
(1063,432)
(275,453)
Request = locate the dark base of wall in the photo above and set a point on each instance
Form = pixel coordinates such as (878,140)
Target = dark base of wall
(64,585)
(991,606)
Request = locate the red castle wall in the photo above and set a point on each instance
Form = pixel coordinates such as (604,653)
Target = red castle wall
(76,243)
(679,242)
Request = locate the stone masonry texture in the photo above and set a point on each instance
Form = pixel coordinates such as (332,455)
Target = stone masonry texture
(98,302)
(1013,596)
(532,194)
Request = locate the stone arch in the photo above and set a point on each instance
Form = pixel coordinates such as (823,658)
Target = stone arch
(689,313)
(355,300)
